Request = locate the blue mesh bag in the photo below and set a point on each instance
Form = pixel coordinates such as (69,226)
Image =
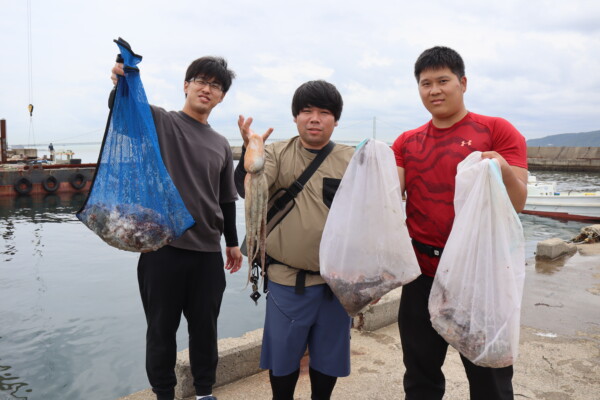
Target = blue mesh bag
(133,204)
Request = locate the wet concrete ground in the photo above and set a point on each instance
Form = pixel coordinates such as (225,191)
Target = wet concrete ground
(563,296)
(559,348)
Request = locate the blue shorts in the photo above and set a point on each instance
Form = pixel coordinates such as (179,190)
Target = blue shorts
(294,321)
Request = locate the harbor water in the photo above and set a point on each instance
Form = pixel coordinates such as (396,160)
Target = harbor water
(71,321)
(72,324)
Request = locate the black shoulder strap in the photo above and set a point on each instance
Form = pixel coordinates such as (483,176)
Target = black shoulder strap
(298,185)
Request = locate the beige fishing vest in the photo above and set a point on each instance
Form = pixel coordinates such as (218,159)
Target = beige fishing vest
(295,240)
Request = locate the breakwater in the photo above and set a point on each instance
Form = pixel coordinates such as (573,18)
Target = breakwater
(565,159)
(237,152)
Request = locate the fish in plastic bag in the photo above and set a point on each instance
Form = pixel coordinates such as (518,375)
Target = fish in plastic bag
(133,204)
(475,301)
(365,249)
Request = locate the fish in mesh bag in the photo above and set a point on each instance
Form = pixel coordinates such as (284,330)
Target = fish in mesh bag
(133,203)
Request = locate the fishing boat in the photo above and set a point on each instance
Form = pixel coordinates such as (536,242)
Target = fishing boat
(30,175)
(543,199)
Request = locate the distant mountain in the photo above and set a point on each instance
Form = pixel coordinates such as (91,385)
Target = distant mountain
(583,139)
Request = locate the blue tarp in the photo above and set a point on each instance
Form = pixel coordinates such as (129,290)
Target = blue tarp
(133,204)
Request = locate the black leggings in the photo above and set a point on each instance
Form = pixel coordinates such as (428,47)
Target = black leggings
(283,387)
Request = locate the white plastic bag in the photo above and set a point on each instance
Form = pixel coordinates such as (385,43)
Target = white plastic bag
(365,249)
(475,301)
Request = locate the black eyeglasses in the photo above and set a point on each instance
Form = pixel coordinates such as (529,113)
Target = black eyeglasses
(212,85)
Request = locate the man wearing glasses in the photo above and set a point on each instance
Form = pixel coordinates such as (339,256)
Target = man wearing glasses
(187,276)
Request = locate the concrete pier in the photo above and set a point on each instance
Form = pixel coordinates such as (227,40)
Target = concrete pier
(558,358)
(549,366)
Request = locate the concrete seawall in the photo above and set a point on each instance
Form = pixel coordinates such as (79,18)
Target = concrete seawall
(572,159)
(566,159)
(239,357)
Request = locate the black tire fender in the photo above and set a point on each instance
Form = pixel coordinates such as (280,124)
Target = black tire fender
(23,186)
(50,184)
(78,181)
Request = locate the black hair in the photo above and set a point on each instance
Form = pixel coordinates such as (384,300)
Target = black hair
(439,57)
(211,67)
(320,94)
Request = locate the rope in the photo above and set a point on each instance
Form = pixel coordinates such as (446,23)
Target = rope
(31,137)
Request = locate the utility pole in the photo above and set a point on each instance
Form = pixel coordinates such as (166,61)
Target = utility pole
(3,143)
(374,127)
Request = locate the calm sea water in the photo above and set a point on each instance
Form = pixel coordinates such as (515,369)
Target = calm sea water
(72,324)
(71,321)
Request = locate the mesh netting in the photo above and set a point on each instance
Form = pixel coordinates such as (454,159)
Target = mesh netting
(133,204)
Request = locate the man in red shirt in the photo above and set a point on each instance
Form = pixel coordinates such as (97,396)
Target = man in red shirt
(427,159)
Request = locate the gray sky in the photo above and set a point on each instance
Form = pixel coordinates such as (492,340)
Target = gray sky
(535,63)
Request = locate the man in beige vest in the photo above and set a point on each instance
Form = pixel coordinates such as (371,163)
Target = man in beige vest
(301,309)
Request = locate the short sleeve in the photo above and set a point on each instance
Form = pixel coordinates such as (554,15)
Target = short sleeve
(397,148)
(509,143)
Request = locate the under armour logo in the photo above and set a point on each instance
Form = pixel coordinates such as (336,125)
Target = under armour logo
(467,143)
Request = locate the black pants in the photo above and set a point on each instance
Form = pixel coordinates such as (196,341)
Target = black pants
(425,351)
(173,281)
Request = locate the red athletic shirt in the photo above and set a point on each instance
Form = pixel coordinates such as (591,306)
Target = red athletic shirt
(430,157)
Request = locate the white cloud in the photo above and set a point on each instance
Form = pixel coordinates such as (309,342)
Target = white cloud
(372,59)
(285,76)
(533,62)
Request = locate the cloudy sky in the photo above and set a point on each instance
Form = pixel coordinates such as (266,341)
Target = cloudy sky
(535,63)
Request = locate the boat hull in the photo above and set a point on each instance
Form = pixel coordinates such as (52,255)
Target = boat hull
(31,180)
(580,207)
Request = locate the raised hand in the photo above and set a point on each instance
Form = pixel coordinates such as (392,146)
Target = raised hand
(246,131)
